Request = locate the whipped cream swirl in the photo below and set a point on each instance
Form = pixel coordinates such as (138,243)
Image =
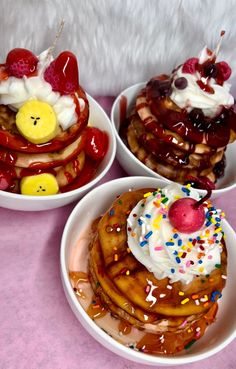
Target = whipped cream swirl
(15,92)
(194,97)
(163,250)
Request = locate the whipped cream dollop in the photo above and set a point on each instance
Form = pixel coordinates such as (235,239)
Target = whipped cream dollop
(195,97)
(15,92)
(162,249)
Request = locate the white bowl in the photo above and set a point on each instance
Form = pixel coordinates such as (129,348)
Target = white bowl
(134,166)
(218,335)
(99,119)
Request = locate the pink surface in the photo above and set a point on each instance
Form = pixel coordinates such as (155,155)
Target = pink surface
(37,327)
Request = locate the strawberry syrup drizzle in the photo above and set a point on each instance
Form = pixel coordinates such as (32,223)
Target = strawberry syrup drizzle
(19,143)
(9,174)
(87,174)
(122,109)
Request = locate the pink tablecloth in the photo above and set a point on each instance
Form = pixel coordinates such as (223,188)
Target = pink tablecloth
(37,327)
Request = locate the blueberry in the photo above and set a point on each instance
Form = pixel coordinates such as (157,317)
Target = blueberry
(198,120)
(196,115)
(210,70)
(222,118)
(181,83)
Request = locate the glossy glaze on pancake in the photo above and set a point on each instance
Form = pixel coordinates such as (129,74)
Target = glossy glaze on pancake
(130,292)
(169,141)
(63,156)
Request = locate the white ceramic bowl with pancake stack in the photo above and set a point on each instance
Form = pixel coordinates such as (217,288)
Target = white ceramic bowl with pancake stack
(120,311)
(180,126)
(56,142)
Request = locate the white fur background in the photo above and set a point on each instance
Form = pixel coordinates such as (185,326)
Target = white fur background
(121,42)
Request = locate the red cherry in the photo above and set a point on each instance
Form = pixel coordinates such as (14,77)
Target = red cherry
(63,74)
(185,216)
(21,62)
(5,180)
(190,66)
(96,143)
(224,70)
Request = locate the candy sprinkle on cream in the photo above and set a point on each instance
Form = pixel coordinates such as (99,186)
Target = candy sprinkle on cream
(167,252)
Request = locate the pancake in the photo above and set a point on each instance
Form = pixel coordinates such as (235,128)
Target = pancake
(175,173)
(171,155)
(63,174)
(46,145)
(42,160)
(181,124)
(132,293)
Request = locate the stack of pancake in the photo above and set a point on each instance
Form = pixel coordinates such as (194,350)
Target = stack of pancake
(171,315)
(63,156)
(174,143)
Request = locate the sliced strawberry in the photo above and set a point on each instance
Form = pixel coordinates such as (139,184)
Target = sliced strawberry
(224,70)
(96,143)
(190,66)
(63,74)
(3,72)
(21,62)
(5,180)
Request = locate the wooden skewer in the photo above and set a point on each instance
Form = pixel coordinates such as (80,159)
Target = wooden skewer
(51,48)
(217,49)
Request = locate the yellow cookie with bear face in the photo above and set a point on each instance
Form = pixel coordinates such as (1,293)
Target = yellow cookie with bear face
(37,121)
(39,185)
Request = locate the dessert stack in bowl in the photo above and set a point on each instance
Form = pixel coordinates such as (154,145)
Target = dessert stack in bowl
(179,125)
(56,142)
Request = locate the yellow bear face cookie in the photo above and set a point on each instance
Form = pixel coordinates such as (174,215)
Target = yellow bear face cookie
(37,122)
(39,185)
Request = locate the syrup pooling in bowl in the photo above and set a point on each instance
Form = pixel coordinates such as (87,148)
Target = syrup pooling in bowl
(132,337)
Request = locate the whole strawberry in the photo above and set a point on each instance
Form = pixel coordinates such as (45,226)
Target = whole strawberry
(96,143)
(21,62)
(224,70)
(190,66)
(62,73)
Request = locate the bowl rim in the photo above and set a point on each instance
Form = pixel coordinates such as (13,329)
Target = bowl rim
(79,190)
(86,321)
(137,161)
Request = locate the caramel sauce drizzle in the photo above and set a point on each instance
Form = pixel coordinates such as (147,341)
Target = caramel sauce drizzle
(170,342)
(77,278)
(96,309)
(124,327)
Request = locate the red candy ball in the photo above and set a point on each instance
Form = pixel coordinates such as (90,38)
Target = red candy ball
(186,217)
